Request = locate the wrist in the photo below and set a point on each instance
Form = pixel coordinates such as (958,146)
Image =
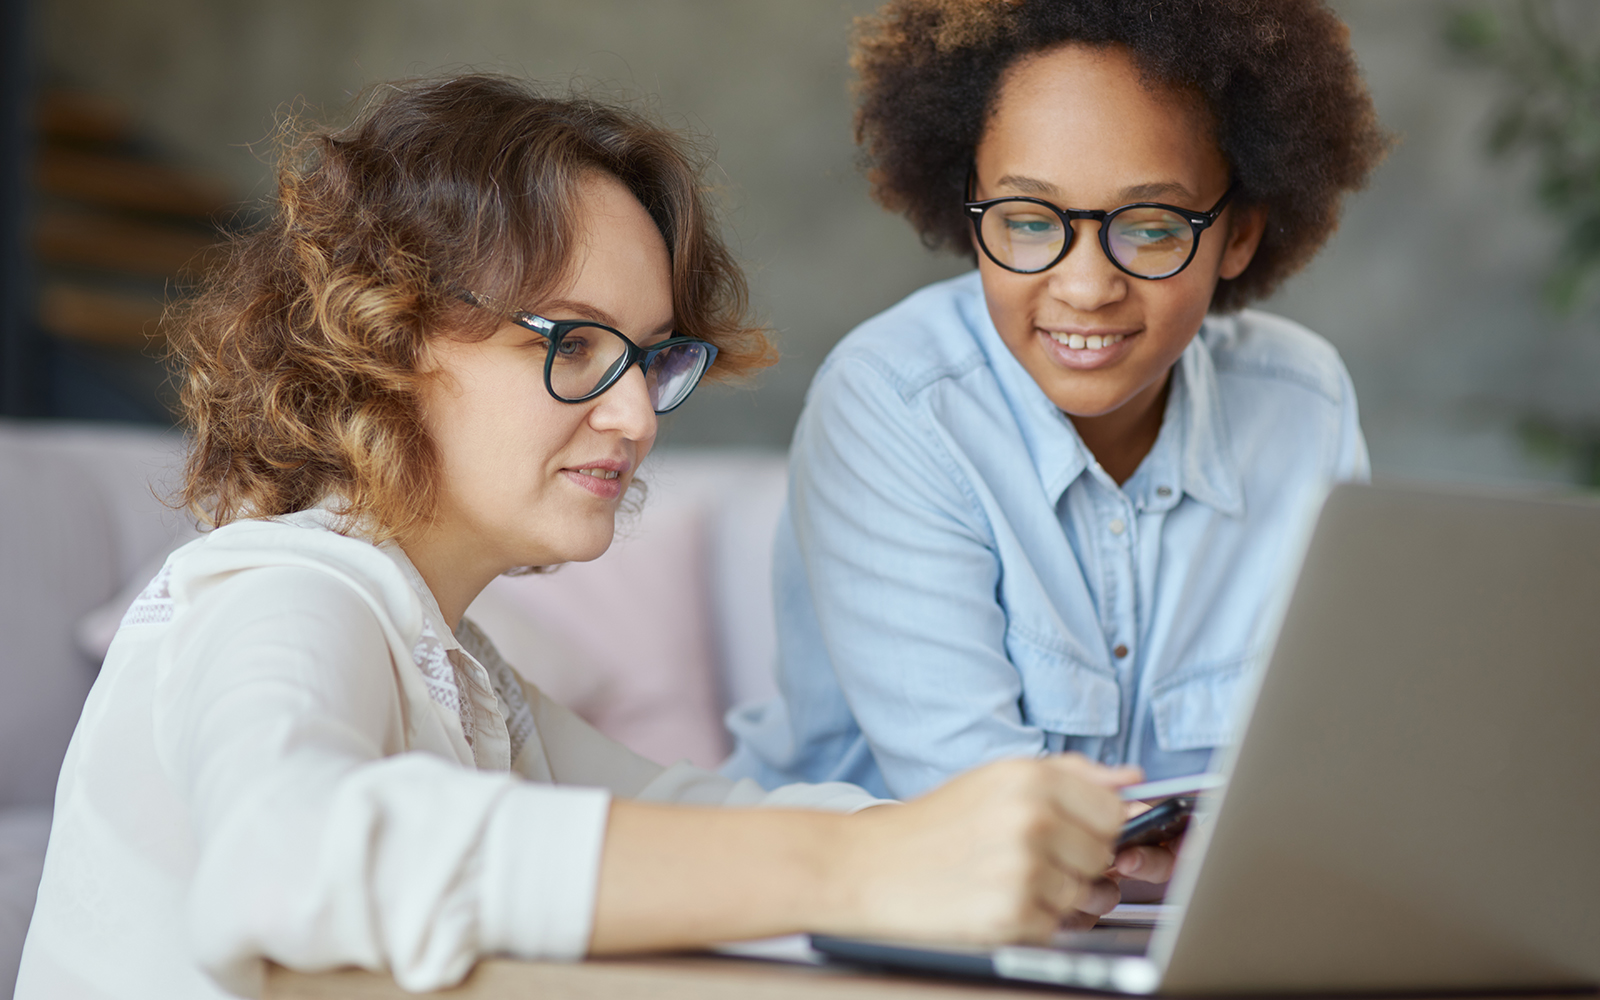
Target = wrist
(847,859)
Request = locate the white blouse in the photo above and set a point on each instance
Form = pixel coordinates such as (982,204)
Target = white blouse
(288,755)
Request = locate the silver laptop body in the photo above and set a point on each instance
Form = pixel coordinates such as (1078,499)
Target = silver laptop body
(1415,801)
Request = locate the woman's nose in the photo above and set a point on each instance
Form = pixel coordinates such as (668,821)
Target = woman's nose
(626,407)
(1085,278)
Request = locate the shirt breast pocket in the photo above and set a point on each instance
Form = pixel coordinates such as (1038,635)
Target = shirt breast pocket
(1062,692)
(1198,706)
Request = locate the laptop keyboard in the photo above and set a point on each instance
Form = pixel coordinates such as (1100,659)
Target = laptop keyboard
(1104,940)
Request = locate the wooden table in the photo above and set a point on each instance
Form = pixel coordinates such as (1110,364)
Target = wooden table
(676,977)
(661,977)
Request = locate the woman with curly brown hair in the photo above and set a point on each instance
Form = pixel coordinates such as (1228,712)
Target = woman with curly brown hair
(1045,506)
(441,359)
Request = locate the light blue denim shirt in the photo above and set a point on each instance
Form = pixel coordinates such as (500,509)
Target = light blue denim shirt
(957,579)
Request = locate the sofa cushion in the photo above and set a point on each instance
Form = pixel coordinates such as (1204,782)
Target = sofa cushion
(56,546)
(77,512)
(625,641)
(23,834)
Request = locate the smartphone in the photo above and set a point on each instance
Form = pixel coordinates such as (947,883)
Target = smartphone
(1164,821)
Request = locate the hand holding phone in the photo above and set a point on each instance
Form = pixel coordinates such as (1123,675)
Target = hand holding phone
(1163,822)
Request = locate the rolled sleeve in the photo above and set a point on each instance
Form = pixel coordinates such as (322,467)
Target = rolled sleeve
(546,844)
(887,587)
(1352,463)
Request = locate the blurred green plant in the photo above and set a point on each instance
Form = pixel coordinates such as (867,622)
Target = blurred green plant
(1576,446)
(1550,107)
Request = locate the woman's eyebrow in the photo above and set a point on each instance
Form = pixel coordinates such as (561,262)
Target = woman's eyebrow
(580,310)
(1152,192)
(588,310)
(1137,192)
(1029,185)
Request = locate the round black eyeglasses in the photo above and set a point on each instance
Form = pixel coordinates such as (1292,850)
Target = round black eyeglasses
(584,358)
(1146,239)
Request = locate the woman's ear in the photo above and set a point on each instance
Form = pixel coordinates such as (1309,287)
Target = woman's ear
(1245,227)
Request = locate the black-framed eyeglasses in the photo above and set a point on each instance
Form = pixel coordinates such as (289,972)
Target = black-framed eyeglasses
(1145,239)
(584,358)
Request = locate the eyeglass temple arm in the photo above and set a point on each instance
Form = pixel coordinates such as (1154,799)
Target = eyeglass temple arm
(1204,221)
(536,323)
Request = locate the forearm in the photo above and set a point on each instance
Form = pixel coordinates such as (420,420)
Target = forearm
(1002,853)
(681,876)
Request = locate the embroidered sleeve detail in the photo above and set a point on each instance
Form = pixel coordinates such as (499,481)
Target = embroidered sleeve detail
(153,606)
(439,672)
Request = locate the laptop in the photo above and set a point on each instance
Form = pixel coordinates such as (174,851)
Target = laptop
(1414,803)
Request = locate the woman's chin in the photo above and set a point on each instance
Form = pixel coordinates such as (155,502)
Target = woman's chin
(577,547)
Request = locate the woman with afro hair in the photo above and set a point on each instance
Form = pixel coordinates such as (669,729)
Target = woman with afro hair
(1046,505)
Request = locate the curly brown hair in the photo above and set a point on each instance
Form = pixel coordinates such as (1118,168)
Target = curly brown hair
(1291,114)
(301,351)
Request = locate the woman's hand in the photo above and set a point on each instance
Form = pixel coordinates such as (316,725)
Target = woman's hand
(1141,873)
(1006,852)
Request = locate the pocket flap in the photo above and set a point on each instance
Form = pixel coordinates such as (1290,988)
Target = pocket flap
(1200,707)
(1061,693)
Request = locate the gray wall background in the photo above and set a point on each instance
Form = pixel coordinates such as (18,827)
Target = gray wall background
(1430,289)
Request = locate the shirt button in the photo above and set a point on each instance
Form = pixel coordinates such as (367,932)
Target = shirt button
(1163,491)
(1120,651)
(1116,526)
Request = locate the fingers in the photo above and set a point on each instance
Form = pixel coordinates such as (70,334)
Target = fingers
(1058,890)
(1078,843)
(1147,864)
(1098,897)
(1071,900)
(1086,792)
(1099,774)
(1076,904)
(1071,846)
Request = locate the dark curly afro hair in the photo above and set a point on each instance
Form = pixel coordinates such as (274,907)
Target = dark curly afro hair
(1292,116)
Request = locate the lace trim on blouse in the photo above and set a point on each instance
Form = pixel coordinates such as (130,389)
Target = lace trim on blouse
(519,717)
(153,606)
(439,672)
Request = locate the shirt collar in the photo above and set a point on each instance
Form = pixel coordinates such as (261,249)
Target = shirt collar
(1058,454)
(1193,445)
(326,514)
(1209,472)
(430,606)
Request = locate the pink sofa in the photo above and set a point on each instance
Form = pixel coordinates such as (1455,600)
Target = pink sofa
(653,642)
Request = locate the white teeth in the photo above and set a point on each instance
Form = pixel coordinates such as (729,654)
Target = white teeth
(600,473)
(1093,342)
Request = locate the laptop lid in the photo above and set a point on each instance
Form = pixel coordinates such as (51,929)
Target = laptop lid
(1415,800)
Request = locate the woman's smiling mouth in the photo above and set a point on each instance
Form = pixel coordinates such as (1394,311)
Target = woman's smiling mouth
(1084,350)
(604,480)
(1093,341)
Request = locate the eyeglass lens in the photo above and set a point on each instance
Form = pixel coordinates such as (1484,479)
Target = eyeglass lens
(1026,236)
(589,357)
(672,373)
